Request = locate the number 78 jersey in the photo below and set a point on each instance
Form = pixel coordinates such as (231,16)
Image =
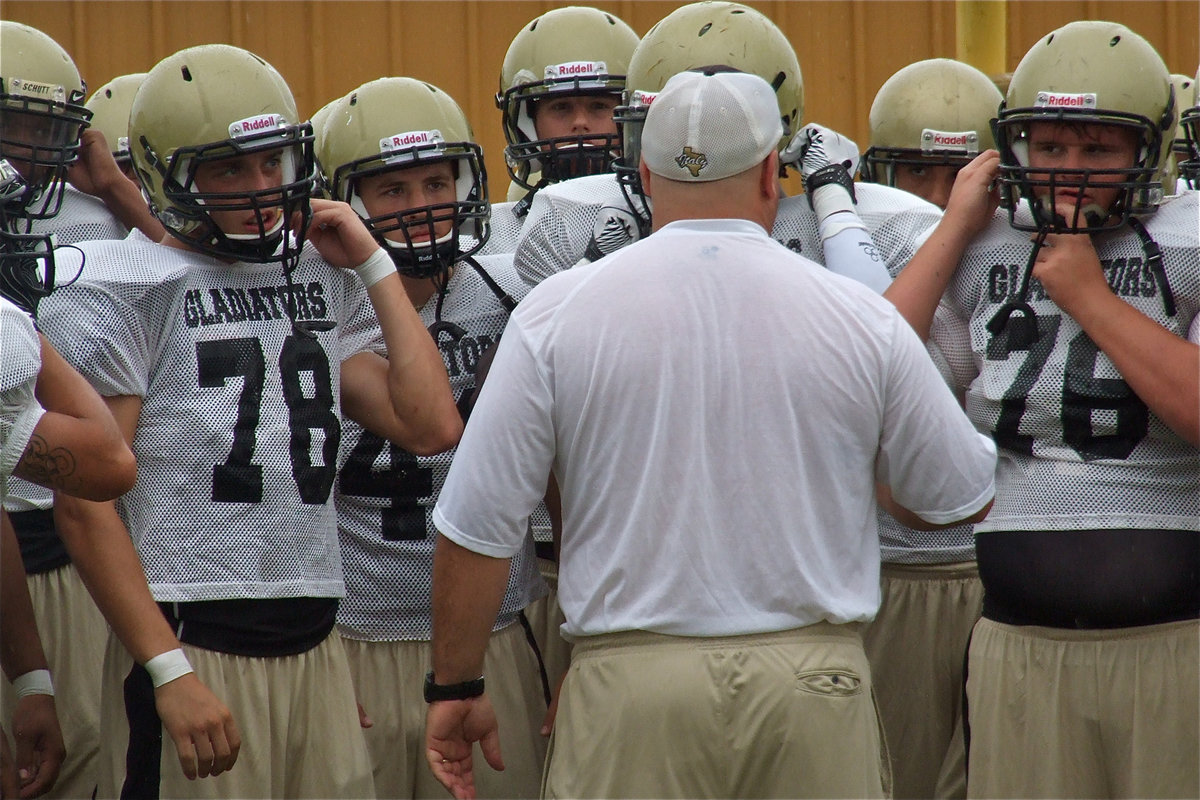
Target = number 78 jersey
(1078,448)
(240,426)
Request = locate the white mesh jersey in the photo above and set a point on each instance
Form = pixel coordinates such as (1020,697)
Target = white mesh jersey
(900,544)
(1078,449)
(562,223)
(385,495)
(82,218)
(506,228)
(20,362)
(239,428)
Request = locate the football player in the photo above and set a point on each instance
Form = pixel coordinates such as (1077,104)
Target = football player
(1077,346)
(561,79)
(1185,151)
(228,353)
(927,121)
(110,106)
(589,217)
(41,121)
(401,152)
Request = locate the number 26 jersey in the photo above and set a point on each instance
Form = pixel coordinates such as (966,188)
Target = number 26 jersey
(240,424)
(1078,448)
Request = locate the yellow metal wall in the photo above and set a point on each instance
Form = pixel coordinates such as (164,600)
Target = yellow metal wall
(324,48)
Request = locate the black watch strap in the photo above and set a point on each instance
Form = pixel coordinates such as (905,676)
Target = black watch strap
(451,691)
(830,173)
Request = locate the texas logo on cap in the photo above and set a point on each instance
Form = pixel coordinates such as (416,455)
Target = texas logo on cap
(692,161)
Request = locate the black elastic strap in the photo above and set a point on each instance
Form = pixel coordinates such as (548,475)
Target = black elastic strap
(143,756)
(537,651)
(504,297)
(966,718)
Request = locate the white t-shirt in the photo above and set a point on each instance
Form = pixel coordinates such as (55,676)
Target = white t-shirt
(716,410)
(20,362)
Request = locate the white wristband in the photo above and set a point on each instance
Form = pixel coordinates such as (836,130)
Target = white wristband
(829,199)
(375,268)
(36,681)
(166,667)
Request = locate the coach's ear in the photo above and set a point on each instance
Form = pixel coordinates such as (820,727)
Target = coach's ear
(768,177)
(644,173)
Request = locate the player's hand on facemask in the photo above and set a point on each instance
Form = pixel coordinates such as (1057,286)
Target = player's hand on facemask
(339,234)
(974,197)
(1069,268)
(815,146)
(95,172)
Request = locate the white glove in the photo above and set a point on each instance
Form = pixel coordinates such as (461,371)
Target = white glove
(615,228)
(815,146)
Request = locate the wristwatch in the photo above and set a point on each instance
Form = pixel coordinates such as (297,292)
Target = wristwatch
(830,173)
(452,691)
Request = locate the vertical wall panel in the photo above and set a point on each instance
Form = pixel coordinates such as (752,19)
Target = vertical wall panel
(324,48)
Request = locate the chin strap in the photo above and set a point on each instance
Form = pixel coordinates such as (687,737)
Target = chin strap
(1154,261)
(504,297)
(1023,335)
(1020,338)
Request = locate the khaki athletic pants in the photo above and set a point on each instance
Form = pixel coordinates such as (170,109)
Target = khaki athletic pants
(74,635)
(389,677)
(297,716)
(1096,713)
(786,714)
(916,645)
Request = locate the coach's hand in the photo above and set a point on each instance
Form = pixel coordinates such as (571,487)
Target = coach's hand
(202,728)
(451,728)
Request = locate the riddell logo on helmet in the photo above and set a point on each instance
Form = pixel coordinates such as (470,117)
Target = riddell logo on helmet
(574,69)
(252,125)
(1057,100)
(640,98)
(957,141)
(409,139)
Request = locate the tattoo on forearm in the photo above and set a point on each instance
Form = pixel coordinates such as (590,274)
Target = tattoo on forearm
(46,465)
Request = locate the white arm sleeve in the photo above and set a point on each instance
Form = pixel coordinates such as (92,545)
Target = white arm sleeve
(849,249)
(850,252)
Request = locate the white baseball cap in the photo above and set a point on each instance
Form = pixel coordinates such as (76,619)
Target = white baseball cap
(708,125)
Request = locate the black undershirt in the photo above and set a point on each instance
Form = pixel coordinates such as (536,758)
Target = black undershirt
(256,628)
(1090,579)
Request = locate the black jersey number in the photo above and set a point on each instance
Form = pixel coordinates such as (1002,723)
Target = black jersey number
(404,481)
(238,480)
(1082,395)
